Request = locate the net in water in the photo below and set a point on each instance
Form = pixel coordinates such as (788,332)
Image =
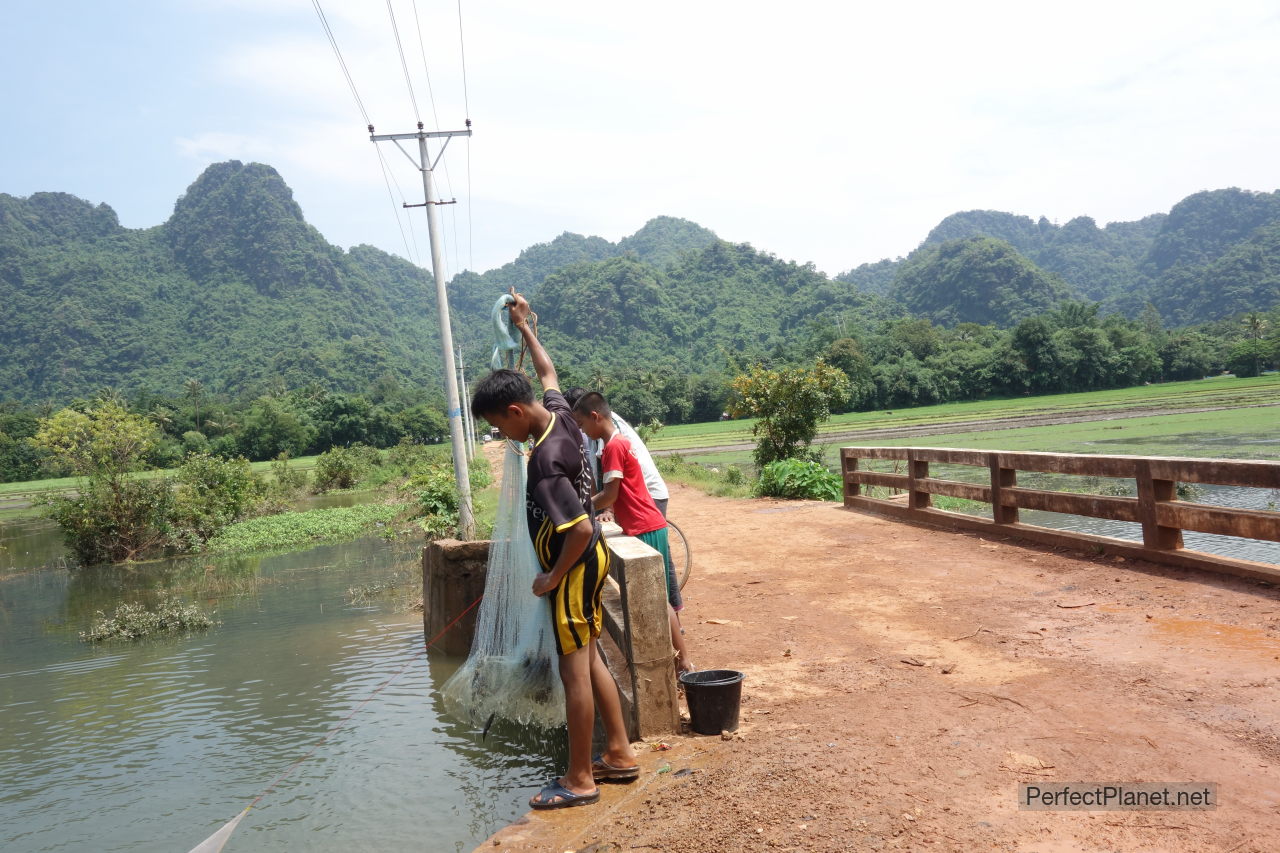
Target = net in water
(511,672)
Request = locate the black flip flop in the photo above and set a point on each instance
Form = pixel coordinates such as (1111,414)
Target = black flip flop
(603,771)
(557,796)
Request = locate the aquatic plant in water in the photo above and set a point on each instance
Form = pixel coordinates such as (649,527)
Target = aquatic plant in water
(134,621)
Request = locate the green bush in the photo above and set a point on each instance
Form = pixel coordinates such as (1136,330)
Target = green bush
(286,482)
(799,479)
(113,521)
(133,621)
(194,442)
(211,493)
(480,474)
(337,468)
(435,499)
(409,456)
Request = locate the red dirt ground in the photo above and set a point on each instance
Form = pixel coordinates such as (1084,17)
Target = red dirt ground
(901,682)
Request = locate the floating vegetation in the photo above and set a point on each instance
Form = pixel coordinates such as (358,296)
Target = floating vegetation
(134,621)
(365,593)
(294,529)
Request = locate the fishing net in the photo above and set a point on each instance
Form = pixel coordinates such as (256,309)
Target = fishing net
(511,671)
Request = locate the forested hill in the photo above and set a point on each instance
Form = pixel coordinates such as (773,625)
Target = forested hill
(237,291)
(1216,254)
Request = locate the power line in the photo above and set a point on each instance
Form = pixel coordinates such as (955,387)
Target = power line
(462,47)
(423,50)
(471,249)
(338,53)
(431,95)
(414,255)
(403,63)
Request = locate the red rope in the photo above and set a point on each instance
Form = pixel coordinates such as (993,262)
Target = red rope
(343,722)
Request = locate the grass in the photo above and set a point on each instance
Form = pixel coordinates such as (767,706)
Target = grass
(1244,433)
(294,530)
(1233,433)
(1220,391)
(17,499)
(724,481)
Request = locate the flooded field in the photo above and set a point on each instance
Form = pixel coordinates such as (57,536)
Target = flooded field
(153,745)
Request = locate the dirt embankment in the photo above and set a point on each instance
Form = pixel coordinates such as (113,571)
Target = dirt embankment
(902,682)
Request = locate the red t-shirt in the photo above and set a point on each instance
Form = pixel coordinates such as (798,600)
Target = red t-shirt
(635,510)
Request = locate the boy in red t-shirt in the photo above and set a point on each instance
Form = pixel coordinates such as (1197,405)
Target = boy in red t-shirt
(624,491)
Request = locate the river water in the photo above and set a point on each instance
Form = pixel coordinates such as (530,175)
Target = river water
(153,745)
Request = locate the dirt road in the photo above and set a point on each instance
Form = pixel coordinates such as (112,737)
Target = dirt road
(901,683)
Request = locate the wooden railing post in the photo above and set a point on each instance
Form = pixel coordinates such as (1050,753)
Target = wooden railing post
(851,490)
(917,469)
(1151,493)
(1000,479)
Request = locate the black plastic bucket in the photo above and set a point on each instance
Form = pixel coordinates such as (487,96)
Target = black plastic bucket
(714,697)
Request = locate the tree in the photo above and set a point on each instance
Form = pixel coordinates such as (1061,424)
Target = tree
(107,441)
(790,403)
(113,517)
(193,390)
(846,355)
(270,429)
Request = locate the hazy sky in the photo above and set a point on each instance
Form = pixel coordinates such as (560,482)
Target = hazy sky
(831,132)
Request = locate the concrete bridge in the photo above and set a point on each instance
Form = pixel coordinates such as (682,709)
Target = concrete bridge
(903,681)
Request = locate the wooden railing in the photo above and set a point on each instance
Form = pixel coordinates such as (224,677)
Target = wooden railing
(1156,507)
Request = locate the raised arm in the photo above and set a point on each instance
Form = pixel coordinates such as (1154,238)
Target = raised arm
(519,312)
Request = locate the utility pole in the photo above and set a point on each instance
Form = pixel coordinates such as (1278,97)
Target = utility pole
(424,164)
(468,423)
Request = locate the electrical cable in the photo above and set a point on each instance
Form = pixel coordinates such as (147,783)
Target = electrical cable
(422,49)
(403,63)
(466,103)
(462,47)
(341,63)
(415,256)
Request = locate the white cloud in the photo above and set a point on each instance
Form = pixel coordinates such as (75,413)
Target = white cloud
(838,133)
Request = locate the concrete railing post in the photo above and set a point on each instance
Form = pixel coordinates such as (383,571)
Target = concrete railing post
(453,576)
(917,469)
(1001,478)
(636,617)
(1152,492)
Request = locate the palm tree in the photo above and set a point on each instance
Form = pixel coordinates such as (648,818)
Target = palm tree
(161,417)
(194,391)
(1255,326)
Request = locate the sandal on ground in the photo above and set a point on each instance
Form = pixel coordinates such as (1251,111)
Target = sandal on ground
(557,796)
(603,771)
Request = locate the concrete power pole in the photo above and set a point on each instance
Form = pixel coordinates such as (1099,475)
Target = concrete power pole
(424,164)
(468,422)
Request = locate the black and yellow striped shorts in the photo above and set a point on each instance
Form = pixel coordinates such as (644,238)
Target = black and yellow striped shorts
(576,613)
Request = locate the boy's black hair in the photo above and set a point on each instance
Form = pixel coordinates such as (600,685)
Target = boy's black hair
(573,395)
(498,390)
(592,401)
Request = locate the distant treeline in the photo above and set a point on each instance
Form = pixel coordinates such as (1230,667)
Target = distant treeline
(294,422)
(902,362)
(911,362)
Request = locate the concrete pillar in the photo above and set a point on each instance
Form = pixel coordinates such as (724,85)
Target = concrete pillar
(637,636)
(453,576)
(636,599)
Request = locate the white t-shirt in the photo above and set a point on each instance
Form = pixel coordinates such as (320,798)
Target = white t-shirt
(652,479)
